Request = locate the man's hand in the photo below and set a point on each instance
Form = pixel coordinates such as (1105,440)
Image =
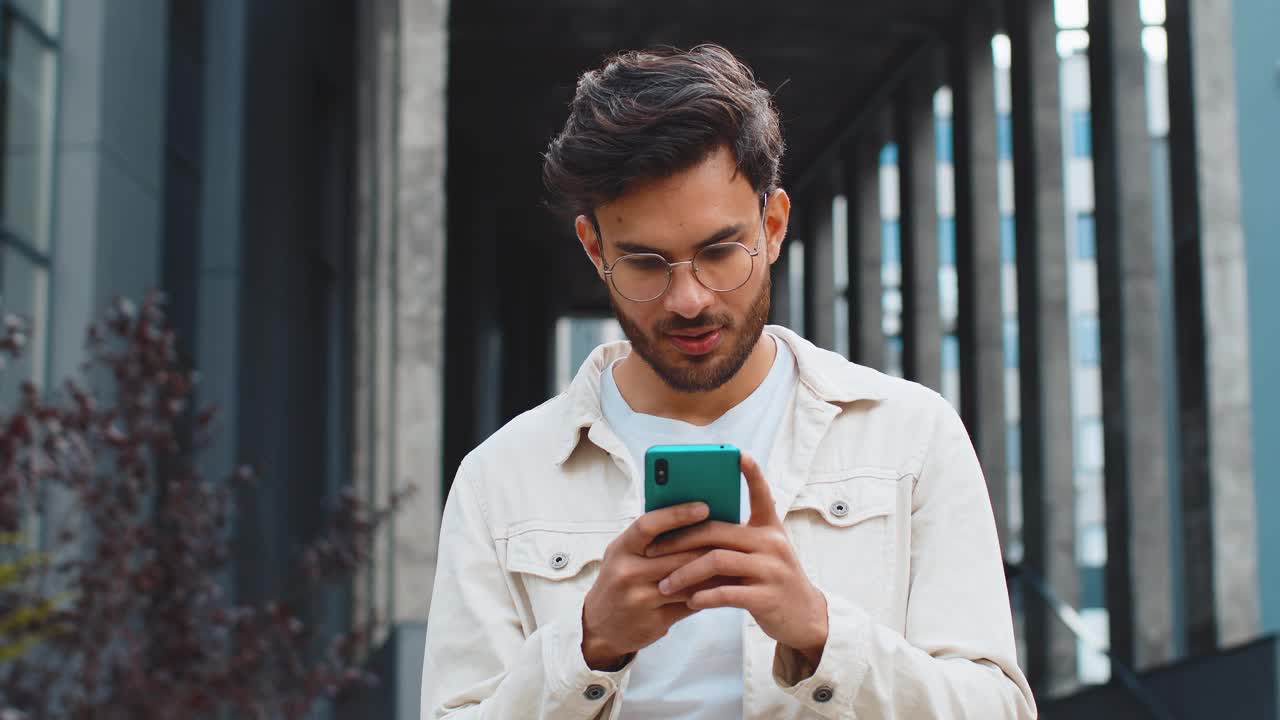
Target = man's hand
(624,611)
(769,581)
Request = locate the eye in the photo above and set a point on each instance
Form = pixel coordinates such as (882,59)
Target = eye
(646,263)
(719,253)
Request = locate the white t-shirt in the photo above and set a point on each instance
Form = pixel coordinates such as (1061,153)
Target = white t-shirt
(695,671)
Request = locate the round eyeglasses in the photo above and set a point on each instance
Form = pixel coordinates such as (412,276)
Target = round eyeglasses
(722,267)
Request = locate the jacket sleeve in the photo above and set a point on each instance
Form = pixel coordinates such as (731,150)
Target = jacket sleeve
(479,663)
(957,659)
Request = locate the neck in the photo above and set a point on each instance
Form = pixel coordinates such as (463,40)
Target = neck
(647,393)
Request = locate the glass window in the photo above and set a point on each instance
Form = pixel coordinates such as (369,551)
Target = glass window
(1088,349)
(893,355)
(1091,545)
(943,139)
(947,241)
(24,293)
(1013,446)
(840,242)
(1011,343)
(889,154)
(1082,133)
(950,352)
(1093,583)
(27,91)
(891,250)
(1008,251)
(25,153)
(1071,14)
(1086,237)
(1004,135)
(795,286)
(841,318)
(575,339)
(1090,451)
(1152,11)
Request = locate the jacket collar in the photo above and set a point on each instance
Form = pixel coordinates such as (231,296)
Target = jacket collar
(829,376)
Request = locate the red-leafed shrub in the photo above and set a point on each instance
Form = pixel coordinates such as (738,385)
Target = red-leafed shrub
(119,610)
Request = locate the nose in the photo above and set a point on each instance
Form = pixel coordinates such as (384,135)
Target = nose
(687,297)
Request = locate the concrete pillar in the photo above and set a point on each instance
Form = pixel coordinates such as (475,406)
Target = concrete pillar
(419,288)
(918,167)
(1139,583)
(866,295)
(980,323)
(819,281)
(1219,531)
(1043,340)
(400,291)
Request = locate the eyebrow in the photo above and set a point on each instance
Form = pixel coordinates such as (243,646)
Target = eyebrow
(720,235)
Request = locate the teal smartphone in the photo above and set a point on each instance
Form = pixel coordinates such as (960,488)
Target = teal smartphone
(675,474)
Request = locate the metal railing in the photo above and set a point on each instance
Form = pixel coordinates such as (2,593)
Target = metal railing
(1070,617)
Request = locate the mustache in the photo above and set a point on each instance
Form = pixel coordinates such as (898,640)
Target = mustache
(699,321)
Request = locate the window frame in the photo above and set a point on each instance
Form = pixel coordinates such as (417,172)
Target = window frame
(10,239)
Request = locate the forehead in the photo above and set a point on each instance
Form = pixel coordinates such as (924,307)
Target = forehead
(682,209)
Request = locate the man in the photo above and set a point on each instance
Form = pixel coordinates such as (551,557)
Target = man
(867,582)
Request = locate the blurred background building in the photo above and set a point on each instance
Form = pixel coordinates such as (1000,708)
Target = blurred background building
(1061,215)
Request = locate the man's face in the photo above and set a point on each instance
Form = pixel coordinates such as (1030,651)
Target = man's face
(694,338)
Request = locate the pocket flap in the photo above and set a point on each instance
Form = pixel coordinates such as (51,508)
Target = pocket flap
(556,553)
(849,501)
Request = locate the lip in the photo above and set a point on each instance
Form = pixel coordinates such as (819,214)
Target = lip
(696,344)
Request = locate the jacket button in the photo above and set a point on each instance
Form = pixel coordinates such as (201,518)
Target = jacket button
(839,508)
(559,561)
(594,692)
(823,694)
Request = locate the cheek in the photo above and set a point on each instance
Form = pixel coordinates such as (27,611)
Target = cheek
(641,315)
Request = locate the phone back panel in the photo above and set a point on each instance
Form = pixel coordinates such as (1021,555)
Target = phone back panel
(696,473)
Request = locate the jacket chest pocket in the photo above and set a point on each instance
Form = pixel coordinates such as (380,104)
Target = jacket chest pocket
(845,533)
(552,567)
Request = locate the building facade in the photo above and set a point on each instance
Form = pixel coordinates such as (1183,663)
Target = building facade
(344,214)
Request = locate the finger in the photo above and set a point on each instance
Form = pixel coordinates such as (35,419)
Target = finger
(762,512)
(672,614)
(640,533)
(683,596)
(654,569)
(717,563)
(746,597)
(713,534)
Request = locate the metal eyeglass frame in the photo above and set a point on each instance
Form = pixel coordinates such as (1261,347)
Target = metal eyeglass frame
(671,266)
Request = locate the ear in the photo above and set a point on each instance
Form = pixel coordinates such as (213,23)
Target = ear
(777,215)
(586,231)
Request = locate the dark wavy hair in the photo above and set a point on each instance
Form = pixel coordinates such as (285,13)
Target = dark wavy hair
(649,114)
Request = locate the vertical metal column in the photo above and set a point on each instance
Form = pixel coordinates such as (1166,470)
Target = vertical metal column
(1219,526)
(918,163)
(1139,583)
(866,295)
(980,323)
(1043,339)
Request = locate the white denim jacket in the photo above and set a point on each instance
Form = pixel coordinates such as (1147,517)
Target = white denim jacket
(883,499)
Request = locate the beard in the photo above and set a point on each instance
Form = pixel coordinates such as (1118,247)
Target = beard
(699,373)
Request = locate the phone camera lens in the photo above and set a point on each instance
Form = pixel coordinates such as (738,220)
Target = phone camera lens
(660,472)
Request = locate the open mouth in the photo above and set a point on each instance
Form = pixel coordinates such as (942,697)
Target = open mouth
(695,343)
